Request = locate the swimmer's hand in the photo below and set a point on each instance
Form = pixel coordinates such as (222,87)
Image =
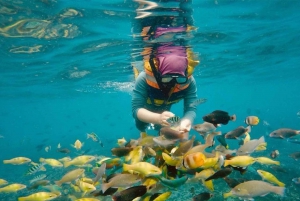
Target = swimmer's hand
(185,127)
(163,117)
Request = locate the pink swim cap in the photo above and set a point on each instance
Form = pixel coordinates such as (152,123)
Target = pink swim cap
(170,63)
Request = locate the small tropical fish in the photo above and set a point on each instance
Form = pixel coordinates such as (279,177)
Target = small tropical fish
(87,199)
(198,102)
(58,146)
(220,174)
(11,188)
(204,128)
(130,193)
(270,177)
(51,161)
(252,120)
(122,142)
(219,117)
(163,142)
(194,160)
(100,173)
(3,182)
(121,180)
(266,161)
(274,154)
(237,133)
(136,155)
(284,133)
(174,121)
(93,136)
(210,138)
(240,161)
(249,147)
(64,159)
(184,147)
(296,180)
(39,177)
(35,168)
(47,148)
(17,161)
(79,160)
(70,176)
(38,183)
(77,145)
(173,183)
(295,155)
(161,196)
(45,196)
(64,150)
(222,140)
(85,187)
(171,134)
(254,188)
(121,151)
(144,168)
(202,196)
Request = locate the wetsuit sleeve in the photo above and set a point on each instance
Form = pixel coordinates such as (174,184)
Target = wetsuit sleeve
(139,94)
(190,97)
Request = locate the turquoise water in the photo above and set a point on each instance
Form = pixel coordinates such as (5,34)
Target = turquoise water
(65,74)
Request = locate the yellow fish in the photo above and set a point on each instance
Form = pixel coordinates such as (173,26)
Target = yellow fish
(194,160)
(247,138)
(85,187)
(52,162)
(40,196)
(267,161)
(70,176)
(164,196)
(252,120)
(17,161)
(136,155)
(270,177)
(169,160)
(3,182)
(144,168)
(79,160)
(211,162)
(204,174)
(87,199)
(75,188)
(240,161)
(12,188)
(77,145)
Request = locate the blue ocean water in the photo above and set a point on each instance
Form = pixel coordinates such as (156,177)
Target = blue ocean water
(65,72)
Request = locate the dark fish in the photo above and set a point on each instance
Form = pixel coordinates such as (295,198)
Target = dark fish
(171,134)
(218,117)
(130,193)
(231,182)
(221,139)
(295,155)
(284,133)
(109,191)
(274,154)
(242,170)
(220,174)
(64,150)
(202,196)
(238,132)
(121,151)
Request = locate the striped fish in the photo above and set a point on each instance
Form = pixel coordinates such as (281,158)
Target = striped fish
(174,121)
(37,178)
(35,168)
